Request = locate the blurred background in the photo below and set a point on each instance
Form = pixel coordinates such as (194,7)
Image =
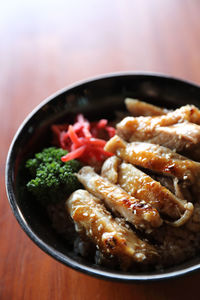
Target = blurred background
(46,45)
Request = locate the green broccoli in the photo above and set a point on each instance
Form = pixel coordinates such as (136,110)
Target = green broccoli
(52,180)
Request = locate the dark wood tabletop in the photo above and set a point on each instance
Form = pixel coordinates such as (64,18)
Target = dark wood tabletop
(47,45)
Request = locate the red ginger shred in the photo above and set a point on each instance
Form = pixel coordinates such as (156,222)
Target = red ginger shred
(82,139)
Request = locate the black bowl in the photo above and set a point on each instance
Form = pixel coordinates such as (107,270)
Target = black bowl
(96,98)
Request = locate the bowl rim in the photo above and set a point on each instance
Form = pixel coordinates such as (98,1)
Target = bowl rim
(64,259)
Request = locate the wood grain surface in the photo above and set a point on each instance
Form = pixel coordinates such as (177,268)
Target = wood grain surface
(46,45)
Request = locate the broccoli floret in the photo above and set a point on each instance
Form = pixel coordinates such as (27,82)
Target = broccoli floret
(52,180)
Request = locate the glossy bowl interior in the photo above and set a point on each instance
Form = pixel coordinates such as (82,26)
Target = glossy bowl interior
(95,98)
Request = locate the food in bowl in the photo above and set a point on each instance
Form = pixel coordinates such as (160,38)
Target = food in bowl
(135,203)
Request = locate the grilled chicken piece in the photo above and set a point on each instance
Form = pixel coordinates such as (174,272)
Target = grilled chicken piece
(112,238)
(141,128)
(155,158)
(137,212)
(179,136)
(140,108)
(110,169)
(182,137)
(141,186)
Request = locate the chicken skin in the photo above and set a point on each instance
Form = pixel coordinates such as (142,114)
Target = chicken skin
(112,238)
(141,128)
(141,214)
(154,157)
(141,186)
(140,108)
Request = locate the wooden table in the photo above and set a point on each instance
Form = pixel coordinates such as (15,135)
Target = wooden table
(46,45)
